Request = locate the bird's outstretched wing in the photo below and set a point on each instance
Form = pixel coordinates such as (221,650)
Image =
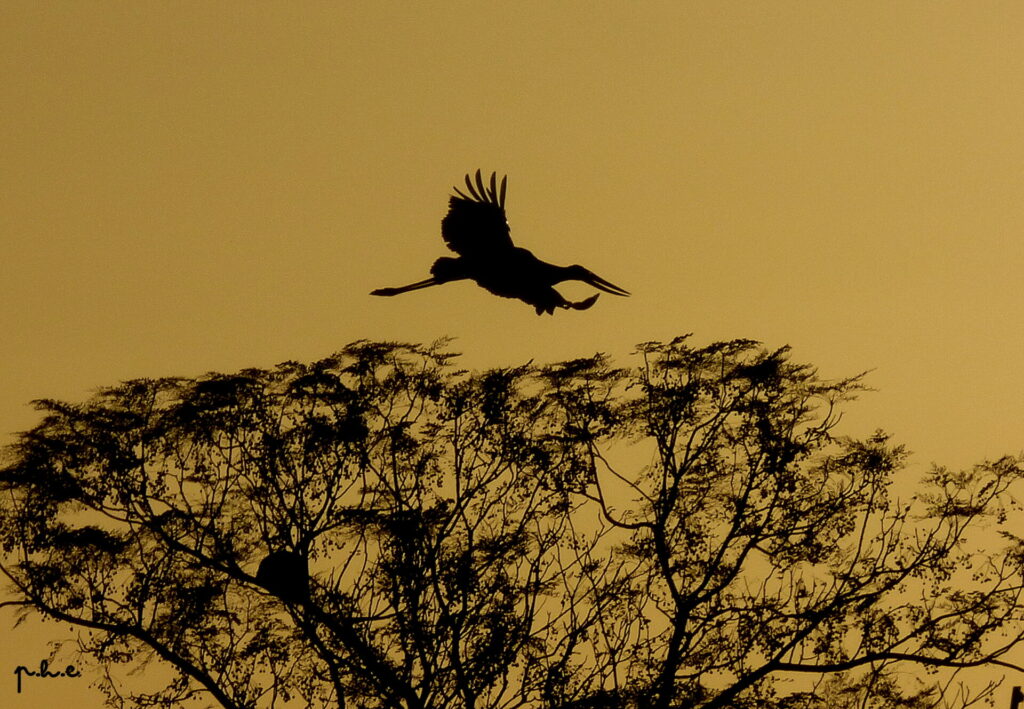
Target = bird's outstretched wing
(475,224)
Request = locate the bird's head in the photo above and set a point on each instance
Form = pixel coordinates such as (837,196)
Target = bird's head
(579,273)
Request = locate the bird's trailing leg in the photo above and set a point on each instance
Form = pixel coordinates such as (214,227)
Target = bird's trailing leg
(426,283)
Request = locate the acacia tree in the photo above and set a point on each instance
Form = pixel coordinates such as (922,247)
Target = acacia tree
(381,529)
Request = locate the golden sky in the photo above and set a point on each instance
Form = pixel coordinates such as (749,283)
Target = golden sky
(196,186)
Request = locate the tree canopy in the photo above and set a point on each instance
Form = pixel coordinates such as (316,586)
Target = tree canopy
(383,529)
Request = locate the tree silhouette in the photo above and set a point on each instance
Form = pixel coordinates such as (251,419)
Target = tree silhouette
(381,529)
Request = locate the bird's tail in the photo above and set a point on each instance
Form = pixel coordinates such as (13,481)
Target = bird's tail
(447,269)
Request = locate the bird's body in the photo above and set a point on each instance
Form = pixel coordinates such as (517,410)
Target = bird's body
(516,273)
(285,574)
(476,229)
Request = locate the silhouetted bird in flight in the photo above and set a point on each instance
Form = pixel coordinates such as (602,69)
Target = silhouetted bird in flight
(476,229)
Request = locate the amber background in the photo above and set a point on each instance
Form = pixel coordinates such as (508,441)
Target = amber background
(197,186)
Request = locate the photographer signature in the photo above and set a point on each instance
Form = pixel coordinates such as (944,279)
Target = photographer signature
(44,671)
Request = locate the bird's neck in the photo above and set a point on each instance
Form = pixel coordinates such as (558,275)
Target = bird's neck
(562,273)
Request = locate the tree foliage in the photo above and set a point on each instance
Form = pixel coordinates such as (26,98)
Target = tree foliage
(381,529)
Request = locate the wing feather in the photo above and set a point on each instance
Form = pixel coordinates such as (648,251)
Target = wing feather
(472,188)
(481,190)
(476,225)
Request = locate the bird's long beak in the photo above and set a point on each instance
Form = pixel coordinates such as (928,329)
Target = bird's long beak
(606,286)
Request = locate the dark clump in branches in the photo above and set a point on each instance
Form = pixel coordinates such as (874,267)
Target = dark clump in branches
(286,575)
(380,529)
